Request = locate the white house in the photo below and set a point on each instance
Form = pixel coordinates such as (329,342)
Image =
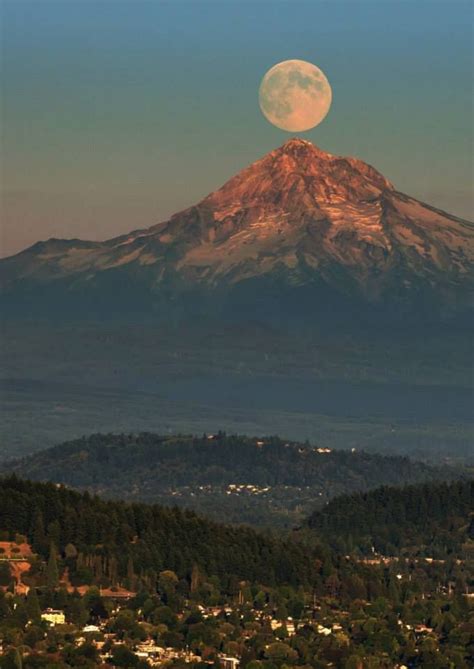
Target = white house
(54,617)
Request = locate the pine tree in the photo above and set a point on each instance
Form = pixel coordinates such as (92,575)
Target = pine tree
(52,574)
(195,578)
(113,570)
(131,575)
(32,606)
(97,567)
(39,536)
(77,611)
(54,533)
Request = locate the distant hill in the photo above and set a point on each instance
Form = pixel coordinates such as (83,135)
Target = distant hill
(261,481)
(435,519)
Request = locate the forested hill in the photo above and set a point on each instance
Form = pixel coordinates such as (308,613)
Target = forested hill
(434,519)
(262,481)
(150,538)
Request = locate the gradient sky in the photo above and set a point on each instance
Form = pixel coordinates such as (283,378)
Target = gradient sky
(116,114)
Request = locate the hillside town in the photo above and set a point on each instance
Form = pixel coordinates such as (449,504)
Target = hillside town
(45,621)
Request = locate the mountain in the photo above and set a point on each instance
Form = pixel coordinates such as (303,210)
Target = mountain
(299,230)
(306,297)
(261,481)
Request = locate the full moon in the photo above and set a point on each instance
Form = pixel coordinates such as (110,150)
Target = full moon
(295,95)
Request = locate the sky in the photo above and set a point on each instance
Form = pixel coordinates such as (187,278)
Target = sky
(116,114)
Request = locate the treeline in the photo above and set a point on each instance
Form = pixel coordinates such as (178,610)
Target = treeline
(109,543)
(121,541)
(435,519)
(194,472)
(391,613)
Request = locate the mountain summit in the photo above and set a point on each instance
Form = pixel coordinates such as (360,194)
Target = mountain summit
(304,177)
(298,222)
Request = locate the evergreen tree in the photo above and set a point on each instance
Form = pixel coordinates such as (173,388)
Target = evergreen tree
(78,613)
(38,532)
(195,578)
(54,533)
(52,574)
(32,606)
(131,576)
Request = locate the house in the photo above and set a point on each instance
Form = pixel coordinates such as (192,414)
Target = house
(150,649)
(53,617)
(229,662)
(117,592)
(91,628)
(324,630)
(290,627)
(423,629)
